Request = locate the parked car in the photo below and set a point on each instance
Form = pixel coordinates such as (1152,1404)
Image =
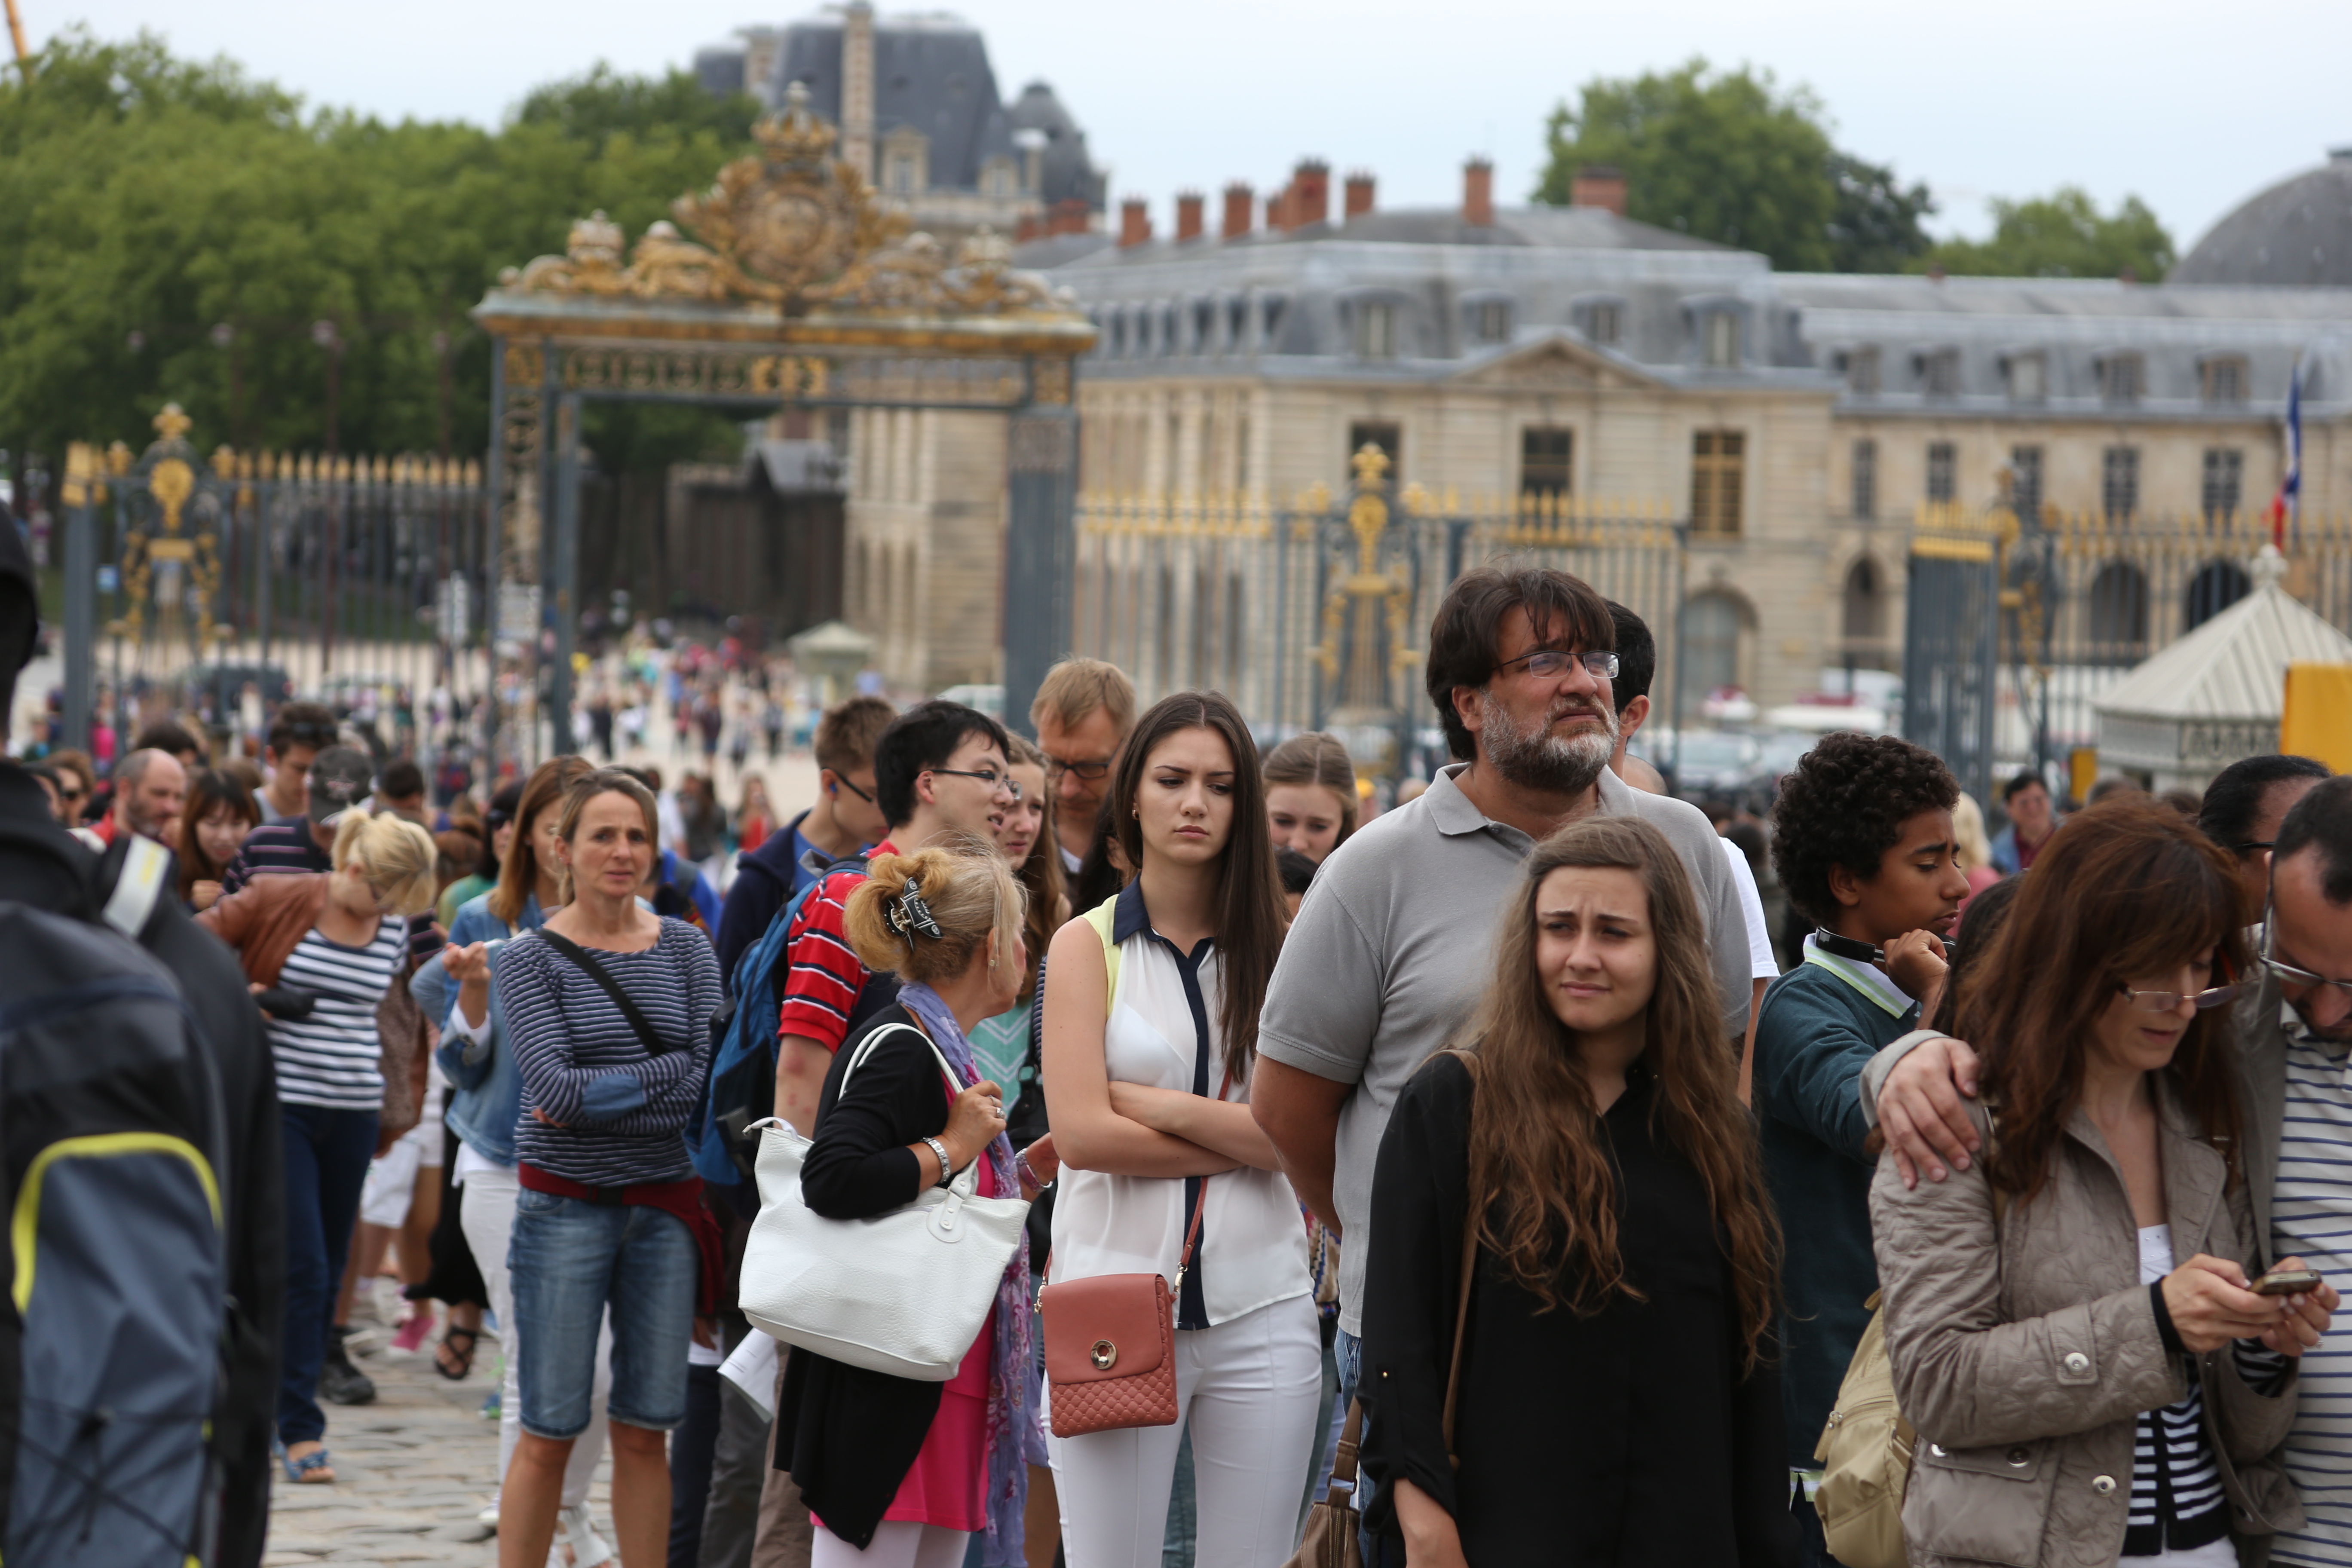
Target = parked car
(1707,763)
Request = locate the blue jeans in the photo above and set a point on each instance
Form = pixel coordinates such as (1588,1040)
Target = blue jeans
(327,1153)
(570,1260)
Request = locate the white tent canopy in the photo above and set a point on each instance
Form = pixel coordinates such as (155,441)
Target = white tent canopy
(2217,694)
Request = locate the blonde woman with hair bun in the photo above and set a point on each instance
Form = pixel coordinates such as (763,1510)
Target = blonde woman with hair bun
(320,949)
(899,1473)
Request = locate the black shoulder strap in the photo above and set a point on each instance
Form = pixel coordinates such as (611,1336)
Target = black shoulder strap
(655,1045)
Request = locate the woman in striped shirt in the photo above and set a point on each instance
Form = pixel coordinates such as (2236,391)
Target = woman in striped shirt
(322,950)
(608,1009)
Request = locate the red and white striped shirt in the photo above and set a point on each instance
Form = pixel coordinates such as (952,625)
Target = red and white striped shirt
(822,975)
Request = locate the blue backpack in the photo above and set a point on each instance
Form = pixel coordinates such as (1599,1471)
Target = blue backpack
(741,1087)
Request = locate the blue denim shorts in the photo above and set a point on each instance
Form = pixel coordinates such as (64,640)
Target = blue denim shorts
(570,1260)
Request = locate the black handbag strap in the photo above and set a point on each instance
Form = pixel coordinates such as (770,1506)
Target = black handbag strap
(655,1045)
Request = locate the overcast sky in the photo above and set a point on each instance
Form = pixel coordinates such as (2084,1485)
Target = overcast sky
(2190,106)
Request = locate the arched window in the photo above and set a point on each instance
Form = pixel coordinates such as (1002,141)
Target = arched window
(1712,628)
(2217,586)
(1865,603)
(2118,614)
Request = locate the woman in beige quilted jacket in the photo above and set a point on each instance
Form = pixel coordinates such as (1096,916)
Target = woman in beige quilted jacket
(2070,1321)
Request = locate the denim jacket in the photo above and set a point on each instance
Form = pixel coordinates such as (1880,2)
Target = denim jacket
(486,1088)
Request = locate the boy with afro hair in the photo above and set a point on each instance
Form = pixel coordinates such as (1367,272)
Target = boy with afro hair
(1862,841)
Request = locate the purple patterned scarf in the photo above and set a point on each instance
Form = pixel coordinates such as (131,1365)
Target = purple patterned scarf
(1016,1440)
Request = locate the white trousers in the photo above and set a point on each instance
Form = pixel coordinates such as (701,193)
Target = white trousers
(898,1543)
(1248,1389)
(487,1218)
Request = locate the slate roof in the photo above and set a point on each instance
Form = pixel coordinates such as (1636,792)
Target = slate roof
(929,73)
(2296,234)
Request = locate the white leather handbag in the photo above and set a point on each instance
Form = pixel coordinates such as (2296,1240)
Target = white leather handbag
(904,1292)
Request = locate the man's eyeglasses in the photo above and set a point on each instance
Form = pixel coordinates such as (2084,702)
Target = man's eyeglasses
(1090,772)
(2289,973)
(2251,846)
(1550,663)
(842,780)
(988,776)
(2170,1001)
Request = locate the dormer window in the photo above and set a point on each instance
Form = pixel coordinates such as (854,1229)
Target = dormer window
(1237,324)
(1490,321)
(1376,329)
(1605,324)
(1861,373)
(2029,378)
(1270,333)
(1204,325)
(1721,339)
(2224,378)
(1939,373)
(901,177)
(2122,378)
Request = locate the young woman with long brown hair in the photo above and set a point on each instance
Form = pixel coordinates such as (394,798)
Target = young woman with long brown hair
(1617,1400)
(2069,1319)
(1149,1084)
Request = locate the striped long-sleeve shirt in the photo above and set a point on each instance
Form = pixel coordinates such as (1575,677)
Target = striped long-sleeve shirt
(2311,1218)
(622,1111)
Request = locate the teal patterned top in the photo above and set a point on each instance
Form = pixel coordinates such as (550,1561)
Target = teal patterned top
(999,1045)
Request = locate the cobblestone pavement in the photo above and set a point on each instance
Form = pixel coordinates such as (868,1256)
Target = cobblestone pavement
(413,1468)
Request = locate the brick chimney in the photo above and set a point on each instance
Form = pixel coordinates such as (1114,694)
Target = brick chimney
(1310,193)
(1134,223)
(1478,194)
(1359,196)
(1069,215)
(1241,202)
(1599,186)
(1188,215)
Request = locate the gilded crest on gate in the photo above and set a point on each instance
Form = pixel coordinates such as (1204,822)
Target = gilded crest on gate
(792,226)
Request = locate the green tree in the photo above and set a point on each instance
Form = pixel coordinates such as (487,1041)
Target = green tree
(1725,157)
(1728,156)
(2063,234)
(173,231)
(1875,227)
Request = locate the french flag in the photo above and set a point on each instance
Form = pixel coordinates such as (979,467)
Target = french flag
(2284,505)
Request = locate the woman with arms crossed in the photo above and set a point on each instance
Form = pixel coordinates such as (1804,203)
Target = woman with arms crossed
(1149,1092)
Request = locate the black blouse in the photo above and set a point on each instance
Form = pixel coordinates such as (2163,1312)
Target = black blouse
(848,1435)
(1630,1437)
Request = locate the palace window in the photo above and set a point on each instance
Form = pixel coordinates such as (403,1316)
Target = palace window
(1547,462)
(1718,475)
(2225,380)
(1866,479)
(2025,482)
(1864,609)
(1941,461)
(2224,479)
(1939,373)
(1604,324)
(901,177)
(1490,321)
(2122,378)
(1722,339)
(1861,372)
(2029,378)
(2119,480)
(1375,330)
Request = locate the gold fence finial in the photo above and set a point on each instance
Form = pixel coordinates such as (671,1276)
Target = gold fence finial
(171,423)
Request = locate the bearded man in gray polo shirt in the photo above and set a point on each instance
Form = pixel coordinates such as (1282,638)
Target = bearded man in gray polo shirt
(1395,941)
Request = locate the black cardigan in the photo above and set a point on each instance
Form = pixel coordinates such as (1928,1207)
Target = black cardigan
(1628,1437)
(850,1435)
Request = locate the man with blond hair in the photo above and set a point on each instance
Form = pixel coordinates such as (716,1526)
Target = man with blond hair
(1084,711)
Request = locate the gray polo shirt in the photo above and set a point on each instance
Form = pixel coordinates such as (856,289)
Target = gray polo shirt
(1395,941)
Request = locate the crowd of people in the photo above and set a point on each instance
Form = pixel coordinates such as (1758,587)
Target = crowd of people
(1494,1181)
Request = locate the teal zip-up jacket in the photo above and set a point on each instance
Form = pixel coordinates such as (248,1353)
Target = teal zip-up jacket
(1820,1024)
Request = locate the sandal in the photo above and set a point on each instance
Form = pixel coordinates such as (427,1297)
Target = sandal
(306,1470)
(464,1353)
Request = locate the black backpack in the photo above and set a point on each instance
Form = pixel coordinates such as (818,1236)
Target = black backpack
(111,1338)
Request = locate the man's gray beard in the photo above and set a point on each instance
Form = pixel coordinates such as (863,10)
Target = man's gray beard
(1535,759)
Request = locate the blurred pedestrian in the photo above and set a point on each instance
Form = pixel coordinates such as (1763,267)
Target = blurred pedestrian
(1082,714)
(1310,794)
(2242,809)
(219,813)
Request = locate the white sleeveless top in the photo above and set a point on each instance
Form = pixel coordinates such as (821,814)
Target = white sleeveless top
(1253,1250)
